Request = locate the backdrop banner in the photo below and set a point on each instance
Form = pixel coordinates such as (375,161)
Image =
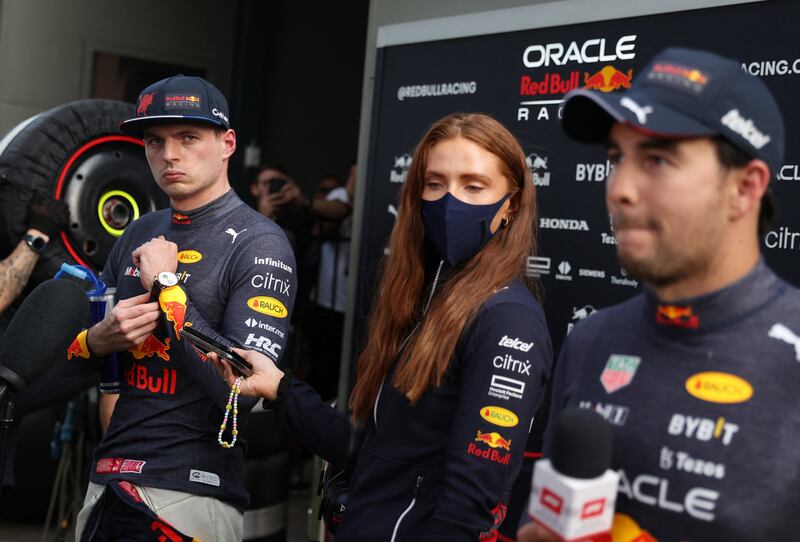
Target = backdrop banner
(521,78)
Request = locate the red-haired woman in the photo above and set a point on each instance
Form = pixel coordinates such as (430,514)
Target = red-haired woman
(458,352)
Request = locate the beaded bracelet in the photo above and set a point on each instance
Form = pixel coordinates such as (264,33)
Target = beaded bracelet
(233,404)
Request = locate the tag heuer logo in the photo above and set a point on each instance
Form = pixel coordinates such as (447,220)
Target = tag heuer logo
(619,372)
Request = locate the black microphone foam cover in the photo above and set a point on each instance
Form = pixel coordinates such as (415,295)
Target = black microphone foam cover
(42,329)
(582,444)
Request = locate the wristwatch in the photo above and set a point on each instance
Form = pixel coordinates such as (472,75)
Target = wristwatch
(36,243)
(162,281)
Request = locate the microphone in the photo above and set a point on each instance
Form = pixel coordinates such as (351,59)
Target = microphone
(40,332)
(573,495)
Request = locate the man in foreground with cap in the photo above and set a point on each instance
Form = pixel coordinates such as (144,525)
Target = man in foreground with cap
(699,374)
(168,465)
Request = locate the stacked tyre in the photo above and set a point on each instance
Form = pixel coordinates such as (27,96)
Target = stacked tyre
(76,153)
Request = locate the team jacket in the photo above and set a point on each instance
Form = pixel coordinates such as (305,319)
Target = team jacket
(703,399)
(237,281)
(443,468)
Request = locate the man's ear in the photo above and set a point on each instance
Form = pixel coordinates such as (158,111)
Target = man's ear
(229,138)
(750,183)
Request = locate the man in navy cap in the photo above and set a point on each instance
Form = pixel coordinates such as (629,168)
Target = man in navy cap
(168,466)
(699,374)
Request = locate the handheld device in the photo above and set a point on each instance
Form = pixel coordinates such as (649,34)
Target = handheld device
(276,184)
(206,344)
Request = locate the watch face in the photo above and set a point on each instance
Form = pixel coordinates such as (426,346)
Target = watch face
(167,279)
(38,244)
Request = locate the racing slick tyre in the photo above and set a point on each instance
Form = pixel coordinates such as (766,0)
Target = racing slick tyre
(77,154)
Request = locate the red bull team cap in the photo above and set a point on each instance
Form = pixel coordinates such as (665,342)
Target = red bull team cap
(178,99)
(685,93)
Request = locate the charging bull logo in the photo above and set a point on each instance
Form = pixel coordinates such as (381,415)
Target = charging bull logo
(173,303)
(625,527)
(144,102)
(151,346)
(607,79)
(494,440)
(180,218)
(671,315)
(79,348)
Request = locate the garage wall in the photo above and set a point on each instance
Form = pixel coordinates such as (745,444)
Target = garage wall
(46,46)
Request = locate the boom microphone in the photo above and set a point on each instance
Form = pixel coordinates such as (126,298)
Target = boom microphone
(40,332)
(573,495)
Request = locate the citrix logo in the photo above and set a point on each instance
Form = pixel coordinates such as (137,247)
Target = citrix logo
(269,282)
(510,364)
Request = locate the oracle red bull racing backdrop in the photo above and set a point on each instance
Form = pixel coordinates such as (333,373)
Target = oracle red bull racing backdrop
(521,77)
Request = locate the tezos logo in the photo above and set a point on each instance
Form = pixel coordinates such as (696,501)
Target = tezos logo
(538,167)
(400,168)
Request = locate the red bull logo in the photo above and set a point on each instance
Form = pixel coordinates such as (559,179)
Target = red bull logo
(151,346)
(79,348)
(138,377)
(626,529)
(144,102)
(551,83)
(494,440)
(672,315)
(608,79)
(173,303)
(692,75)
(178,218)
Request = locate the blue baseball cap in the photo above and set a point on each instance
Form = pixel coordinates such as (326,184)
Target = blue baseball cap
(178,99)
(686,93)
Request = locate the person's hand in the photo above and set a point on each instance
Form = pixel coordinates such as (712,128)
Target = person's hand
(153,257)
(47,215)
(129,323)
(291,194)
(535,533)
(268,205)
(264,380)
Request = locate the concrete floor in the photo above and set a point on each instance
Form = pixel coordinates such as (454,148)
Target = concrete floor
(297,529)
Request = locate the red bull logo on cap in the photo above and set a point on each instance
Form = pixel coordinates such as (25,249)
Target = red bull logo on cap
(608,79)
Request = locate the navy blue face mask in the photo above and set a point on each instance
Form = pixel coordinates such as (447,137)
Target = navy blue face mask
(458,230)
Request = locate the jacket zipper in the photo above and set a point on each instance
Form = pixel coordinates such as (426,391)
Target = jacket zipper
(403,344)
(408,509)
